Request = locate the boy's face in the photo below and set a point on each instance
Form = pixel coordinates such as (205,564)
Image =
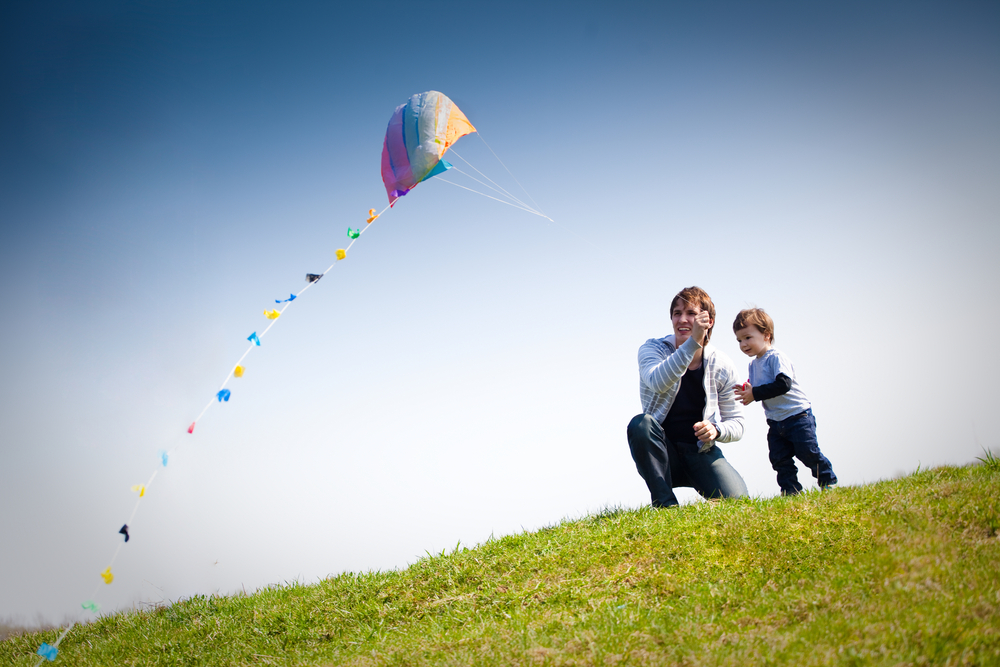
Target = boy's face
(753,342)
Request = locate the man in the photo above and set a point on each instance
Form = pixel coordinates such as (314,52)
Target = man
(688,406)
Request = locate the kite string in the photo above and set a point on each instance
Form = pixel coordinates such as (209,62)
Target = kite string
(141,494)
(59,639)
(149,483)
(281,312)
(520,205)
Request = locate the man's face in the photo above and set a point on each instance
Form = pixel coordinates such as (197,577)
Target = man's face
(682,317)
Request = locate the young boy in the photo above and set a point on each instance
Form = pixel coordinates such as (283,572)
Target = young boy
(789,414)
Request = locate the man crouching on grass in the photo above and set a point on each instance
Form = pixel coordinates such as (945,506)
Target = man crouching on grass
(688,406)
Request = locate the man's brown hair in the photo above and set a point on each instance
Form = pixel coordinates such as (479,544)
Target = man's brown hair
(758,318)
(699,298)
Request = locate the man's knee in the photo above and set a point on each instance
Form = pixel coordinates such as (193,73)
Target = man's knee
(641,426)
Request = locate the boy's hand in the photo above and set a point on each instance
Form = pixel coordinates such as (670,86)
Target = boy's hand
(705,431)
(744,393)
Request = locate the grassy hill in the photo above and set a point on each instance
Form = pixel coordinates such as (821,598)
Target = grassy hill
(902,572)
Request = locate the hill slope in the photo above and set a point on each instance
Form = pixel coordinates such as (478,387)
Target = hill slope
(898,572)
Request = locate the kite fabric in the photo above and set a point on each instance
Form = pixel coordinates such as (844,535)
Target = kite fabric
(313,277)
(224,395)
(107,576)
(418,135)
(124,531)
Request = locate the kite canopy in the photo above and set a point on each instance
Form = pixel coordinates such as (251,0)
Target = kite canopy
(418,135)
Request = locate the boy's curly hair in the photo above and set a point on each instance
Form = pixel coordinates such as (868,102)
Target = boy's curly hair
(758,318)
(696,296)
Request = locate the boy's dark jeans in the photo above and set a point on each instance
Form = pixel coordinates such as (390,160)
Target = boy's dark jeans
(796,436)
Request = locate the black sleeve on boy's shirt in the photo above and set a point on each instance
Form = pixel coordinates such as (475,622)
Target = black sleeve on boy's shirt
(780,386)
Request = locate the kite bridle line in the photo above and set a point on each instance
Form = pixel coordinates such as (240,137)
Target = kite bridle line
(483,139)
(483,194)
(498,189)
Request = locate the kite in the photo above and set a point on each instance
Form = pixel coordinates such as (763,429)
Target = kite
(418,135)
(354,233)
(238,371)
(124,531)
(290,298)
(313,277)
(272,314)
(163,457)
(107,576)
(140,488)
(224,395)
(90,605)
(254,339)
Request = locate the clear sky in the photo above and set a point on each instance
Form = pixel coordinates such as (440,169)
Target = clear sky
(168,170)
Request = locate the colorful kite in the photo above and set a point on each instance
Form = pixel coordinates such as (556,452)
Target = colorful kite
(418,135)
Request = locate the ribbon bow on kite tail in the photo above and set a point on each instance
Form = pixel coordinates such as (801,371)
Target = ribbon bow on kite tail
(418,135)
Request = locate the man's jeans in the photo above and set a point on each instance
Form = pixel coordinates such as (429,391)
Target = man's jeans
(796,436)
(664,465)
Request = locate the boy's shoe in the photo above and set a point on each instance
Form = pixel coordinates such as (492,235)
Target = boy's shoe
(827,487)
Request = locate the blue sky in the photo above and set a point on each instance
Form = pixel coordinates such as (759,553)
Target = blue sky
(167,170)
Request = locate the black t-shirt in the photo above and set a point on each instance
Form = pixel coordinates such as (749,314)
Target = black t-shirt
(688,408)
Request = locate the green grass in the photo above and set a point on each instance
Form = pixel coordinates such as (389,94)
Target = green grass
(902,572)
